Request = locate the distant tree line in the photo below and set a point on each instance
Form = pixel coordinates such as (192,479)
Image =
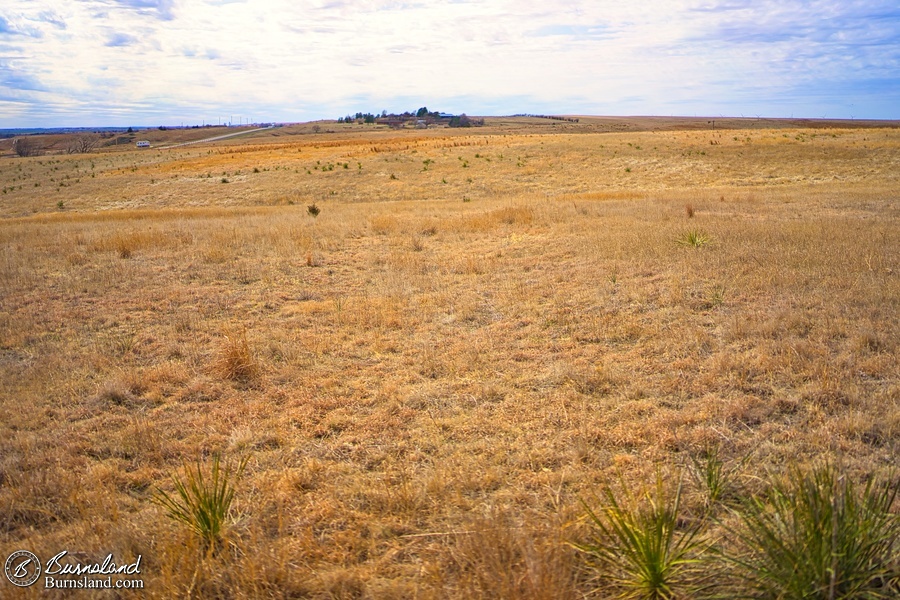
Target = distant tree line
(362,117)
(569,119)
(399,119)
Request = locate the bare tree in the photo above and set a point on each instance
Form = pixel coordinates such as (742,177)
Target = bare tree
(26,146)
(82,144)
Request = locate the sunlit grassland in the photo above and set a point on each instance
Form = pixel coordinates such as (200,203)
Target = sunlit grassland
(445,166)
(475,333)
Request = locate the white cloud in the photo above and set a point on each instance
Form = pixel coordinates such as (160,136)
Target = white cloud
(149,61)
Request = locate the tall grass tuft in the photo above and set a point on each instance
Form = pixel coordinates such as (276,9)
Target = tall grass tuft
(236,360)
(713,477)
(641,549)
(203,502)
(816,536)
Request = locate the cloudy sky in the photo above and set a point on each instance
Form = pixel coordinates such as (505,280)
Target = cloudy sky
(150,62)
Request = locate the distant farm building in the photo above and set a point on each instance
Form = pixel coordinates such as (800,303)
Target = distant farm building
(143,144)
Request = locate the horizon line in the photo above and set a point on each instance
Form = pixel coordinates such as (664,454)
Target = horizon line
(507,116)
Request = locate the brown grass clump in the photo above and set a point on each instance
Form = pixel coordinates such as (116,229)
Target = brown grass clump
(235,360)
(518,215)
(498,558)
(119,392)
(124,249)
(383,224)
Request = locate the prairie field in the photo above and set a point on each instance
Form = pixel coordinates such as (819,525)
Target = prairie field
(431,378)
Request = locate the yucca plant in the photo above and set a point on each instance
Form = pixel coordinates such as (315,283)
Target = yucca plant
(816,536)
(694,238)
(203,502)
(641,549)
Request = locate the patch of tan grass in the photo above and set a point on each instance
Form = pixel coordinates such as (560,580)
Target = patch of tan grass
(426,386)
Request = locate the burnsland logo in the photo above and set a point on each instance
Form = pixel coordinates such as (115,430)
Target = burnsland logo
(23,568)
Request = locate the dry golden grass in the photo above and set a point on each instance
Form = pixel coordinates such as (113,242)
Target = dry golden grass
(426,385)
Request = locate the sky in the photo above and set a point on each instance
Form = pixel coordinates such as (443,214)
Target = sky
(67,63)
